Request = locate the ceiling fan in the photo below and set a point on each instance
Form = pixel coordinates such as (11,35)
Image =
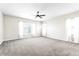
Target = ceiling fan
(40,16)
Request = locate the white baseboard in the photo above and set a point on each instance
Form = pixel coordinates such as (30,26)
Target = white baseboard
(21,38)
(10,39)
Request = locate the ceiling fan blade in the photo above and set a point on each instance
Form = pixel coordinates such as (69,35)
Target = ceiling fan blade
(42,15)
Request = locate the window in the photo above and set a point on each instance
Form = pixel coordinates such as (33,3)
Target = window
(72,29)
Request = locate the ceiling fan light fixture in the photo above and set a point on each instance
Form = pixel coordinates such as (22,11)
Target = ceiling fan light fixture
(39,15)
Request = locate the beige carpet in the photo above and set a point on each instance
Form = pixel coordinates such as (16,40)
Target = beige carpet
(38,47)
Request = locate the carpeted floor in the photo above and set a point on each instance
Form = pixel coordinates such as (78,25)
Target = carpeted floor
(38,47)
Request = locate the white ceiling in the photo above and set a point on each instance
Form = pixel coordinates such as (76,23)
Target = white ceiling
(28,10)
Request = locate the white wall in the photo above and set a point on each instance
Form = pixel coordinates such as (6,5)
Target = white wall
(11,26)
(56,27)
(44,28)
(1,28)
